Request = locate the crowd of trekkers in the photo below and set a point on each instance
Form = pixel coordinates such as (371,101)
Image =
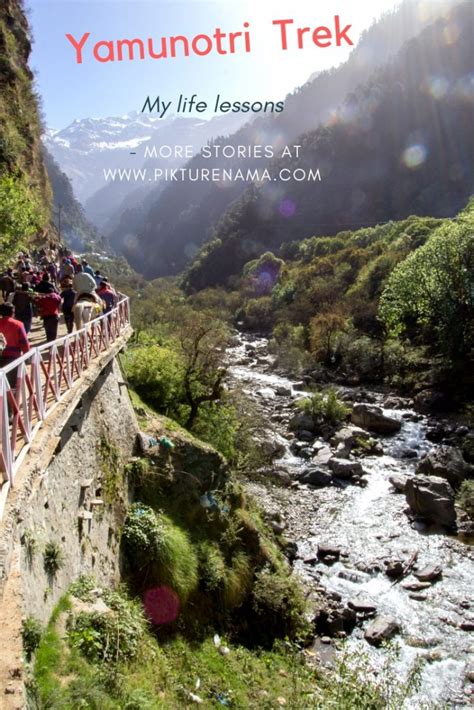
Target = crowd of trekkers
(46,283)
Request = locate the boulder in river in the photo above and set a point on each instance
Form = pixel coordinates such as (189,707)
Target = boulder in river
(431,498)
(323,456)
(345,469)
(283,390)
(352,437)
(272,447)
(399,482)
(429,573)
(362,606)
(305,435)
(315,477)
(446,462)
(301,422)
(394,568)
(326,549)
(372,418)
(381,629)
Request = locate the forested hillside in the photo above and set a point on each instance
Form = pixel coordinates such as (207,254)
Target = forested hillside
(69,217)
(402,144)
(25,193)
(182,217)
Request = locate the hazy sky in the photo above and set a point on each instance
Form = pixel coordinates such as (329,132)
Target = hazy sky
(70,90)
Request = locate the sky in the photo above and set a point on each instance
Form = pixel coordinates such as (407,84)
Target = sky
(72,91)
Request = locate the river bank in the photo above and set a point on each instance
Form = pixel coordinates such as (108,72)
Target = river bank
(354,542)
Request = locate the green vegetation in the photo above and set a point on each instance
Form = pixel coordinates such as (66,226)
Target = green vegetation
(53,558)
(97,664)
(161,550)
(20,216)
(111,637)
(31,632)
(325,408)
(25,194)
(431,293)
(176,368)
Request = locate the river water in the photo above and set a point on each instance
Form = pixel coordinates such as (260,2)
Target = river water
(369,524)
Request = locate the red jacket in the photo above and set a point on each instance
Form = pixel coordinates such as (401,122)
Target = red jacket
(48,305)
(15,335)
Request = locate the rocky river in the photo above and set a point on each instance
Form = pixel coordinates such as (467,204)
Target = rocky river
(380,570)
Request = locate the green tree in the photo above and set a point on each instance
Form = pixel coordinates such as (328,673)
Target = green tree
(431,293)
(20,216)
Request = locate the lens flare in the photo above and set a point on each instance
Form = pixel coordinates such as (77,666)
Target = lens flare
(161,605)
(414,156)
(287,208)
(438,87)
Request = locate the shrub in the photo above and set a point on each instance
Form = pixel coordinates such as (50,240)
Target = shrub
(110,637)
(82,587)
(160,550)
(20,215)
(237,581)
(465,498)
(212,566)
(143,533)
(279,605)
(52,558)
(31,632)
(156,373)
(327,408)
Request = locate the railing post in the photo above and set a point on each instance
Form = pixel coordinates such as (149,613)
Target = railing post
(6,461)
(36,379)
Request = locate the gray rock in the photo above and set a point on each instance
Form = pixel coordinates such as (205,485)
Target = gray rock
(301,421)
(399,482)
(394,568)
(446,462)
(272,447)
(283,390)
(266,393)
(323,456)
(381,629)
(371,417)
(362,606)
(305,435)
(328,550)
(429,573)
(345,469)
(414,586)
(315,477)
(431,498)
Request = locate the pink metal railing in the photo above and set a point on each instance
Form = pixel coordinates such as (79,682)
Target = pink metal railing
(43,376)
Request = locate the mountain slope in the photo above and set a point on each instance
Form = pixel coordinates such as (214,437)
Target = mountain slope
(402,144)
(185,213)
(73,227)
(24,189)
(86,148)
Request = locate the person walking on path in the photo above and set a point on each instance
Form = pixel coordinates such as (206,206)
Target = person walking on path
(48,309)
(107,295)
(23,303)
(68,296)
(14,338)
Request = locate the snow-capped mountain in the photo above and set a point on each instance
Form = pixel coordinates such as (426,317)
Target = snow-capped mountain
(88,146)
